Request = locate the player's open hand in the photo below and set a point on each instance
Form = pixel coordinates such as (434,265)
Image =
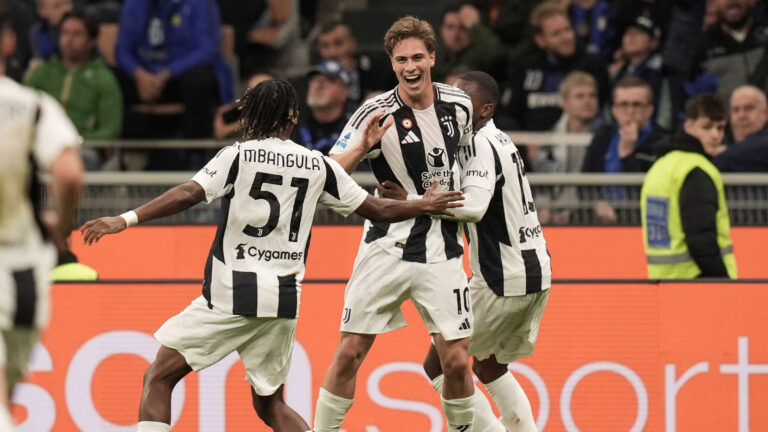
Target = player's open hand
(391,190)
(439,202)
(93,230)
(374,130)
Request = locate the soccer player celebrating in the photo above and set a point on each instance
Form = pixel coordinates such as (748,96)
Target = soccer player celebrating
(270,187)
(511,271)
(418,259)
(35,132)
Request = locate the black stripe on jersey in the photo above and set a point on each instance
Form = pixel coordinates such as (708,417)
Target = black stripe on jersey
(532,271)
(331,187)
(217,247)
(449,127)
(26,298)
(451,91)
(413,152)
(369,109)
(491,231)
(288,299)
(450,231)
(382,171)
(245,293)
(415,249)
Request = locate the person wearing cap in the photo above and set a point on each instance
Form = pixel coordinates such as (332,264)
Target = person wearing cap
(327,92)
(640,57)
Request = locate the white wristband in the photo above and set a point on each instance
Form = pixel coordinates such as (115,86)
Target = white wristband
(130,218)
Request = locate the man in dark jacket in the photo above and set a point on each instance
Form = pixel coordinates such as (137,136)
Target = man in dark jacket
(532,100)
(686,228)
(731,48)
(749,129)
(628,146)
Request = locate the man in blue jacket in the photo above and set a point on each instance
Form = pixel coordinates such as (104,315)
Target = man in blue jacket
(168,51)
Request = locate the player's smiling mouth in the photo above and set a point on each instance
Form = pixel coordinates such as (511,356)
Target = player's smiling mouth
(412,80)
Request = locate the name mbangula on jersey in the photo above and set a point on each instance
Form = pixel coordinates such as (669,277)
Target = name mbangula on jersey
(289,160)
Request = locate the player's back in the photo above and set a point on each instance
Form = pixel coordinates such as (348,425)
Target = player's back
(270,189)
(508,250)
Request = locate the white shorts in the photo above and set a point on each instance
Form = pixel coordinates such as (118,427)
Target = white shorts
(25,285)
(204,336)
(381,282)
(506,327)
(15,348)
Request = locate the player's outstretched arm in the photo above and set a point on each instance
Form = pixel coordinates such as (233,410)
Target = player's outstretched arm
(433,202)
(173,201)
(372,134)
(476,200)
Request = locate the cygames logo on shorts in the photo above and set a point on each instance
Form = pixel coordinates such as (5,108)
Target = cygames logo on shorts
(265,255)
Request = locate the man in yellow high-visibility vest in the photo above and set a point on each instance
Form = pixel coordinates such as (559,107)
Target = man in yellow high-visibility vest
(686,229)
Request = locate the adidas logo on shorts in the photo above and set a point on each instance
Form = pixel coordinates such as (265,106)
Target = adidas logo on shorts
(465,325)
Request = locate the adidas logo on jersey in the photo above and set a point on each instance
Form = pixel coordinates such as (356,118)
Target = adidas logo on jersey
(410,138)
(465,325)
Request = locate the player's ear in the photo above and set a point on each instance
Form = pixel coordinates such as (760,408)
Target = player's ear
(432,59)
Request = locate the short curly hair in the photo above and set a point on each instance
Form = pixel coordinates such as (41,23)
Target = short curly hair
(410,27)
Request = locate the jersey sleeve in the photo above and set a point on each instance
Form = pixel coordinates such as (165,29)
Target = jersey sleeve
(478,166)
(352,134)
(340,192)
(213,176)
(465,122)
(55,132)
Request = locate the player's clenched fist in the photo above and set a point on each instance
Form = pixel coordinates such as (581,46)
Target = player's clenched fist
(93,230)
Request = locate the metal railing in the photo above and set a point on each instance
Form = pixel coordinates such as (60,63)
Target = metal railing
(111,193)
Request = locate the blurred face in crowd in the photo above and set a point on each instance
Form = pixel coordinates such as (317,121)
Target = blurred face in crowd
(53,10)
(454,35)
(581,102)
(637,42)
(735,13)
(338,44)
(412,64)
(325,92)
(632,105)
(7,45)
(556,36)
(709,132)
(75,45)
(749,112)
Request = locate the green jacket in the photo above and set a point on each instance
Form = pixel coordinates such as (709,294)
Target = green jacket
(485,52)
(90,95)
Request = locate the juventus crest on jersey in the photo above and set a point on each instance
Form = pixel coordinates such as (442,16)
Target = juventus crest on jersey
(270,189)
(508,251)
(420,147)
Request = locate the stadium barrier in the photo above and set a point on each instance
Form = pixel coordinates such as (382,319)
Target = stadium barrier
(110,193)
(611,356)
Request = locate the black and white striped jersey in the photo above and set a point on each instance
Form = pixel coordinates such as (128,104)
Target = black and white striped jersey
(421,146)
(34,130)
(507,247)
(269,190)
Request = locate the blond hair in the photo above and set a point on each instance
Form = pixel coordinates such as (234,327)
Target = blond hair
(545,11)
(576,79)
(409,27)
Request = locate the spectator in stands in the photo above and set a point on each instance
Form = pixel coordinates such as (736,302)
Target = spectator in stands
(686,228)
(168,51)
(749,129)
(320,126)
(80,80)
(466,40)
(510,20)
(266,35)
(628,146)
(731,48)
(580,114)
(594,22)
(23,21)
(639,56)
(532,101)
(226,122)
(336,42)
(45,32)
